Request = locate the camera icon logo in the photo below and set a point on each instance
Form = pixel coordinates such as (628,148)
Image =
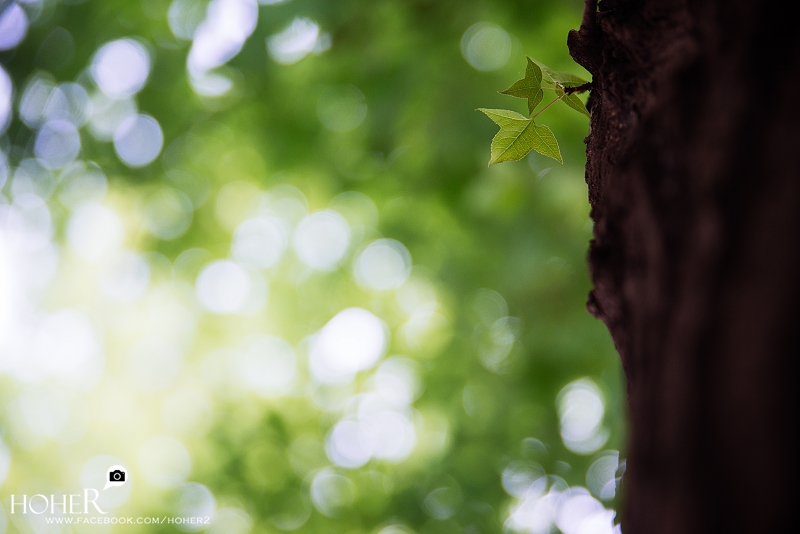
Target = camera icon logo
(117,475)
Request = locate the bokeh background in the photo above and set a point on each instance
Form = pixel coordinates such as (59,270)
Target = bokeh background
(252,251)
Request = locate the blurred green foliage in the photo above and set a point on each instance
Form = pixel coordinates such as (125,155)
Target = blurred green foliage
(504,243)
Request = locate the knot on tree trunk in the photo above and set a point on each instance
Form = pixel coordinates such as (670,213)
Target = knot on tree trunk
(584,49)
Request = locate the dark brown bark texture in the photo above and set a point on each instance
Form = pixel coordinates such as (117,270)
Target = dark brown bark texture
(694,182)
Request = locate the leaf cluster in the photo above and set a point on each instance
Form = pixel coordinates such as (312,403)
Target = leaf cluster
(519,134)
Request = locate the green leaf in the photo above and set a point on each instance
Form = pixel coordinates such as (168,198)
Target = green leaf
(574,102)
(544,142)
(529,87)
(519,135)
(564,79)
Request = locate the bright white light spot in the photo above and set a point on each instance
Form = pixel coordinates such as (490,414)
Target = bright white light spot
(13,26)
(486,46)
(194,500)
(354,340)
(164,462)
(6,91)
(9,296)
(44,410)
(126,276)
(601,475)
(518,478)
(184,17)
(230,521)
(535,514)
(138,140)
(581,409)
(350,444)
(397,381)
(94,232)
(221,36)
(260,242)
(495,343)
(80,183)
(384,264)
(331,493)
(266,366)
(223,287)
(580,513)
(34,100)
(257,297)
(285,202)
(120,68)
(167,213)
(153,363)
(211,84)
(394,435)
(94,475)
(296,41)
(321,240)
(68,102)
(341,108)
(599,523)
(108,114)
(32,178)
(57,144)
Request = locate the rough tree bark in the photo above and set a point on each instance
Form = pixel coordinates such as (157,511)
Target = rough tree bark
(694,182)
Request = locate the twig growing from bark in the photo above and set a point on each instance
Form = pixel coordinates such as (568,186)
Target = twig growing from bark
(588,86)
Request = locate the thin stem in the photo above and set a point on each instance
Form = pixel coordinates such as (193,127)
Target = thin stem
(547,106)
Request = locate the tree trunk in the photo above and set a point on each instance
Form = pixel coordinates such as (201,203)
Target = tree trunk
(694,182)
